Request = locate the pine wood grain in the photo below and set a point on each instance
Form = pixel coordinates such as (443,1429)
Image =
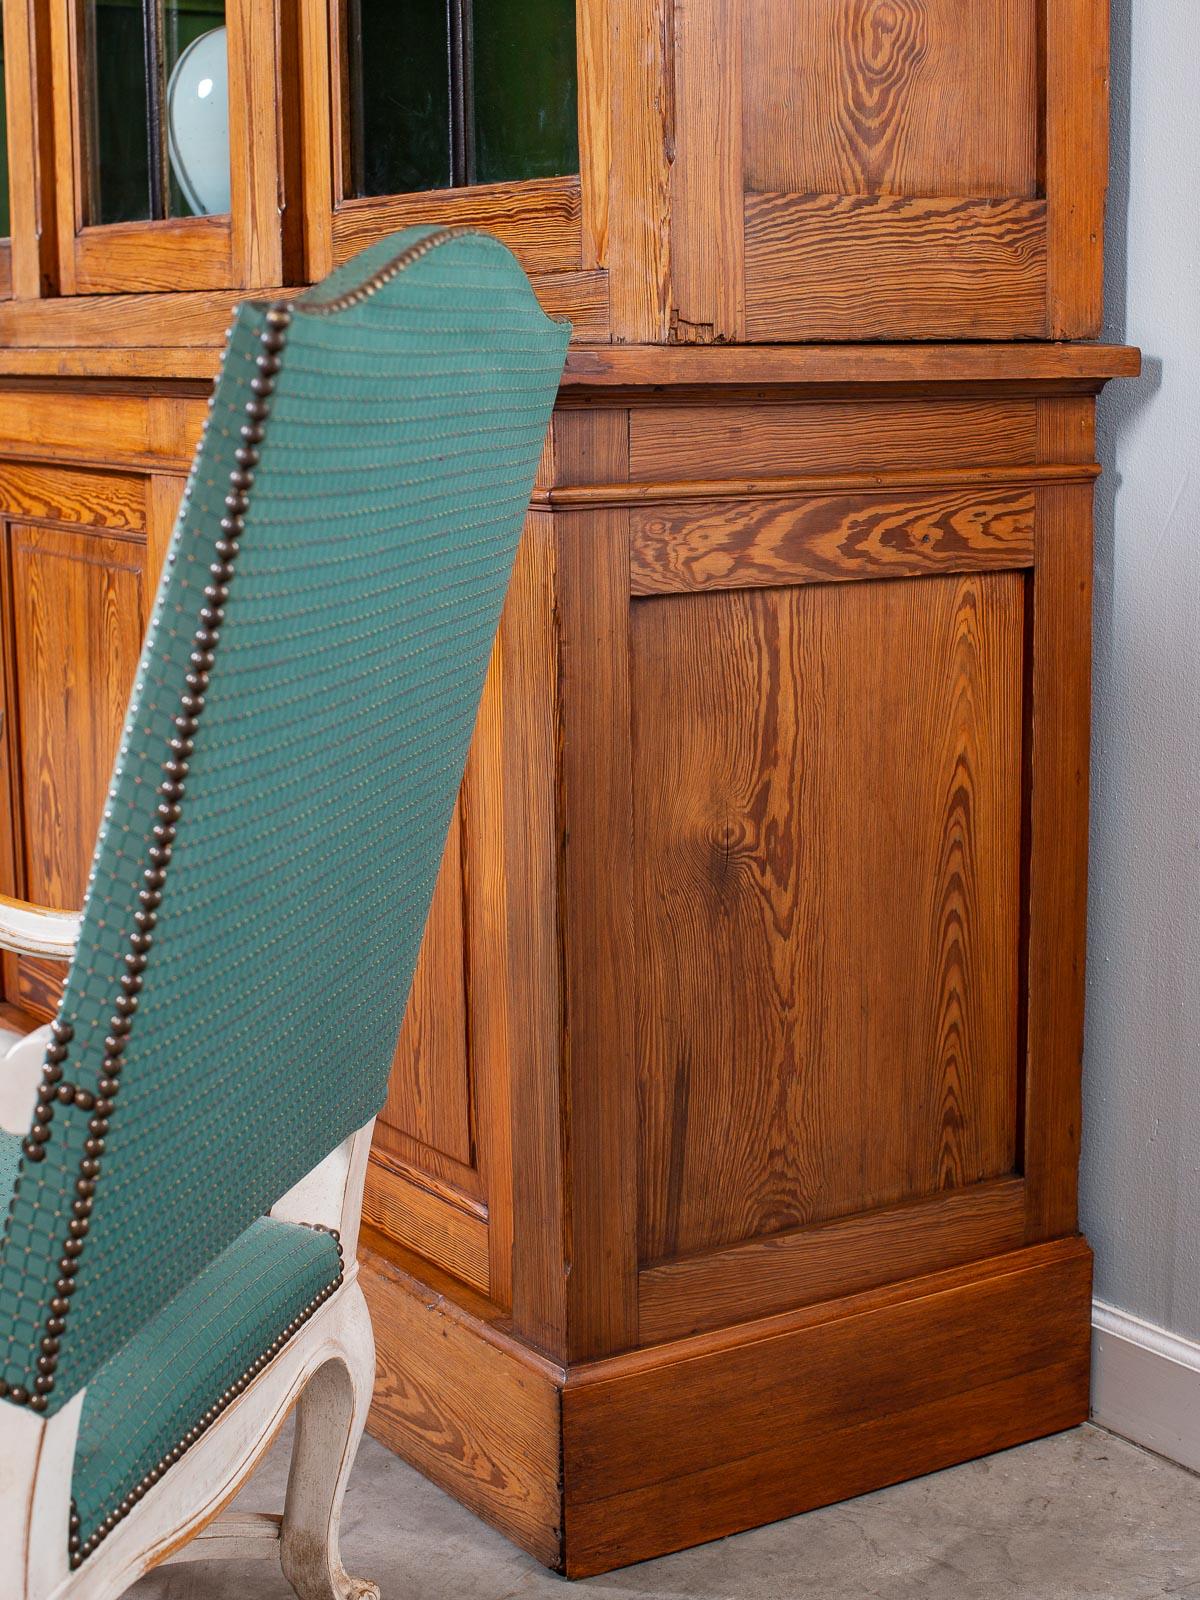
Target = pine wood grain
(693,1441)
(30,493)
(641,138)
(540,221)
(529,651)
(429,1094)
(901,97)
(164,493)
(837,538)
(196,252)
(1076,145)
(707,226)
(259,94)
(596,874)
(427,1222)
(644,374)
(95,428)
(595,45)
(484,805)
(684,441)
(893,267)
(471,1410)
(721,1287)
(79,602)
(31,251)
(1057,807)
(837,782)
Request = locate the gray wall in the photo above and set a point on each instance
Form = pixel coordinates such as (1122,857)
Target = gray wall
(1141,1169)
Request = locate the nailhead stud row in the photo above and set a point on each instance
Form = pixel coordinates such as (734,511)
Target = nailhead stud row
(170,794)
(80,1550)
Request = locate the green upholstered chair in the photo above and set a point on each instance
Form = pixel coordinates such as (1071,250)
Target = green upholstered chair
(185,1159)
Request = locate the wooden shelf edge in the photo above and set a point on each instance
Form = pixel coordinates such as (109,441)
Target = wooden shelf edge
(609,369)
(174,361)
(852,367)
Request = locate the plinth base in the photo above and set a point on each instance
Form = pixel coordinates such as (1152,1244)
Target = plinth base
(616,1461)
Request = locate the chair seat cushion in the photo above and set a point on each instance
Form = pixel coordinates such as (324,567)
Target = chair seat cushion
(10,1159)
(161,1387)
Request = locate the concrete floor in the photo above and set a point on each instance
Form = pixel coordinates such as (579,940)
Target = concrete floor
(1082,1516)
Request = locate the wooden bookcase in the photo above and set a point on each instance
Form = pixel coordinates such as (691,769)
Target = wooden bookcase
(729,1162)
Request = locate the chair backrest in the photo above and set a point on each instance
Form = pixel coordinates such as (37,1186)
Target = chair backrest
(285,781)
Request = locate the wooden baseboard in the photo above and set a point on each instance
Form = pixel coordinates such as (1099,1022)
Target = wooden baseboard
(475,1412)
(1146,1384)
(620,1460)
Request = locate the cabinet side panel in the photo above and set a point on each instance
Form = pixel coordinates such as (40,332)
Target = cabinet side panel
(827,839)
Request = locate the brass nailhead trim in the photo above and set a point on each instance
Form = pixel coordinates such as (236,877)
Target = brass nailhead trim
(170,794)
(383,275)
(79,1551)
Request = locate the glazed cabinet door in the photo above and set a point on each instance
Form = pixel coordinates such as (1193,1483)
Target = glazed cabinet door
(888,169)
(461,112)
(168,143)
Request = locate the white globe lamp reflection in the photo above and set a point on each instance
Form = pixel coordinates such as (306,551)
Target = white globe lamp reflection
(198,123)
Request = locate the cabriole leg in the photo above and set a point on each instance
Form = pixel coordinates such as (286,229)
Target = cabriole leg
(330,1418)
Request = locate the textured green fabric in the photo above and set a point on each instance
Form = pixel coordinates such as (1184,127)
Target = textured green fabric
(10,1160)
(142,1402)
(397,464)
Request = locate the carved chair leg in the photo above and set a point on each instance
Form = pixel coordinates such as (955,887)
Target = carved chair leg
(330,1418)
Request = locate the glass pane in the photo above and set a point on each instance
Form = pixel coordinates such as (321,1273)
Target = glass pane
(5,224)
(525,89)
(197,106)
(397,85)
(120,153)
(159,110)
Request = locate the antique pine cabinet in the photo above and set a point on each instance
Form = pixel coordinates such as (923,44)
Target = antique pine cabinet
(729,1163)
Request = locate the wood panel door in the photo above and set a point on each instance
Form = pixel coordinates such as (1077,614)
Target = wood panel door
(77,606)
(889,169)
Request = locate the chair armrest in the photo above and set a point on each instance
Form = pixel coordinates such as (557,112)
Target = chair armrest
(37,931)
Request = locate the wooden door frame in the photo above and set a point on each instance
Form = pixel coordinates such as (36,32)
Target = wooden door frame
(27,257)
(555,226)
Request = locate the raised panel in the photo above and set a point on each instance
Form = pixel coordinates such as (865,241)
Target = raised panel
(888,267)
(79,603)
(429,1093)
(827,818)
(836,538)
(900,97)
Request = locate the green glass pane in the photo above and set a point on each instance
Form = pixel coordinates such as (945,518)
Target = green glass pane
(120,151)
(200,86)
(399,96)
(526,121)
(5,223)
(121,124)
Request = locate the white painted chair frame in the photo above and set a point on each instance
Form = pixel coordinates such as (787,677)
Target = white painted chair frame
(325,1372)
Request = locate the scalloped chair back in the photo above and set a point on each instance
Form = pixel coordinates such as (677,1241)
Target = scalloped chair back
(285,781)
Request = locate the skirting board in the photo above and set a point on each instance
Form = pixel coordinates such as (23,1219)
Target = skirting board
(1146,1384)
(617,1460)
